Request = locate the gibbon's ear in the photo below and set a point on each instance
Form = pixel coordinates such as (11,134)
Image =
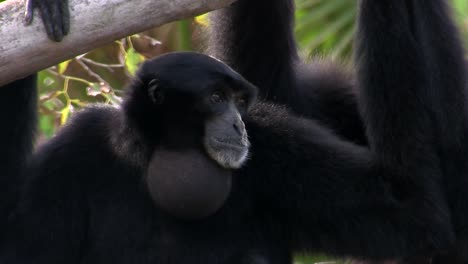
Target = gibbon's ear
(155,92)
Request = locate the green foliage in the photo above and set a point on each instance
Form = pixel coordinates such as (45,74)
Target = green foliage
(461,14)
(328,26)
(325,26)
(132,60)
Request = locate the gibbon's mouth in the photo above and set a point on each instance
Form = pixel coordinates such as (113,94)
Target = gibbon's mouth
(230,153)
(234,143)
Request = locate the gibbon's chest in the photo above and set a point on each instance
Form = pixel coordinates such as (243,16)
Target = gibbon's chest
(125,226)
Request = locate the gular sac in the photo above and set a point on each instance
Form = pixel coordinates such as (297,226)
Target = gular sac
(187,185)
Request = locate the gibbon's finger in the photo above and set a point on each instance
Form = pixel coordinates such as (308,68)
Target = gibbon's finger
(64,16)
(51,19)
(29,13)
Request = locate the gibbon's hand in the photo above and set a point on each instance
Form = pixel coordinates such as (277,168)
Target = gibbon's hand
(55,16)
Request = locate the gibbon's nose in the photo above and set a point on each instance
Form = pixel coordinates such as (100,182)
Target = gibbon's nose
(236,128)
(239,127)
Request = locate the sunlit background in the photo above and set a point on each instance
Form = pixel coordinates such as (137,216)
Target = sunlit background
(323,28)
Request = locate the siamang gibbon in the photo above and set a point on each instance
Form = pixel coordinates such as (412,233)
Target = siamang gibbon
(258,42)
(86,196)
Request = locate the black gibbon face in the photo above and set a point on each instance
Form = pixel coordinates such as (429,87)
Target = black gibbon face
(205,99)
(196,103)
(225,138)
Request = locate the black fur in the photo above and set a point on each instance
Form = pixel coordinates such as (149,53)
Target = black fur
(304,188)
(441,47)
(18,102)
(18,108)
(258,42)
(423,38)
(55,16)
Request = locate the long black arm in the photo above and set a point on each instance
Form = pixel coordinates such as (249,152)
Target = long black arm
(18,109)
(440,43)
(444,68)
(333,196)
(417,69)
(256,39)
(344,186)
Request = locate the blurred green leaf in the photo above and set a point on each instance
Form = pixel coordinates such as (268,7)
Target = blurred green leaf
(65,113)
(325,26)
(202,19)
(133,60)
(461,5)
(461,14)
(46,125)
(185,34)
(62,67)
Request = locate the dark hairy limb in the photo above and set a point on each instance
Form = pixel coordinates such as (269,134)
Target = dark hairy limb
(331,196)
(256,39)
(259,43)
(392,72)
(440,43)
(433,59)
(55,16)
(18,110)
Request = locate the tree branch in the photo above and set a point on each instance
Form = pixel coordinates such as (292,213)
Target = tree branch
(26,49)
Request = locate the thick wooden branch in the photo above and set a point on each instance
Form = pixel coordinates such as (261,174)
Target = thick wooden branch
(26,49)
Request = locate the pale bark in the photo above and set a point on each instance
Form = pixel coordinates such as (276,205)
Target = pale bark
(26,49)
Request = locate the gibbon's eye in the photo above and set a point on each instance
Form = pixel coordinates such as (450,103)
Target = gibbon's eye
(217,97)
(242,102)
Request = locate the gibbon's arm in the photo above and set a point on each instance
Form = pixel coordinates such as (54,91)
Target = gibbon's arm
(331,194)
(55,16)
(432,71)
(447,72)
(441,46)
(50,221)
(242,36)
(18,110)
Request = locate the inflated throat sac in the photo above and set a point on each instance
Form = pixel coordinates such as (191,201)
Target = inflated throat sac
(187,184)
